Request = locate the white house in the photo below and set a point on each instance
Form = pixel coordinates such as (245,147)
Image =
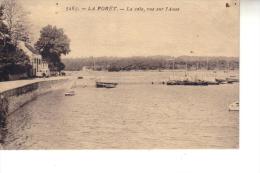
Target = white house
(40,67)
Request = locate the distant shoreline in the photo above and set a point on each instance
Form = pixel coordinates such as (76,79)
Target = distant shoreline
(151,63)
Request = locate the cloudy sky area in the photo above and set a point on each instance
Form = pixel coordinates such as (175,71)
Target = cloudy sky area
(207,28)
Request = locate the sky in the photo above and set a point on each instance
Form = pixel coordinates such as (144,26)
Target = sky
(199,28)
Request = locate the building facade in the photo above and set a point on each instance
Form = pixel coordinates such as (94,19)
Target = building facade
(40,68)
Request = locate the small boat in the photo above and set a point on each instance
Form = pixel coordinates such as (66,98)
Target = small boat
(199,83)
(70,93)
(232,80)
(213,83)
(106,84)
(80,77)
(187,82)
(221,81)
(110,85)
(234,106)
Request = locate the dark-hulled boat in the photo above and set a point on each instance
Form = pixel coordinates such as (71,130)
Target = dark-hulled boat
(187,82)
(106,84)
(232,80)
(221,81)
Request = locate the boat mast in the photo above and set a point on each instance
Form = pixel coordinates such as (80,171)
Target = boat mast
(217,68)
(228,66)
(173,66)
(207,63)
(93,61)
(186,68)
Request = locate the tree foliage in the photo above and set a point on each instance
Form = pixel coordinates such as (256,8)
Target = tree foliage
(16,21)
(52,44)
(4,34)
(151,63)
(12,59)
(9,53)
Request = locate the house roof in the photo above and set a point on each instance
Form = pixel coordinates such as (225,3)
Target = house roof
(31,48)
(28,49)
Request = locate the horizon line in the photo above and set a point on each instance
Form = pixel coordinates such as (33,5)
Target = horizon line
(147,56)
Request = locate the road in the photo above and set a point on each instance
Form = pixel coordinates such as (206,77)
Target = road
(7,85)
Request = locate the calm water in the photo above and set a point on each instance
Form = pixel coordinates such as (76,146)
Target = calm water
(133,116)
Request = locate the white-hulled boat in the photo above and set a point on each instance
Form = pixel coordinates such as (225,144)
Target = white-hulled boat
(70,93)
(234,106)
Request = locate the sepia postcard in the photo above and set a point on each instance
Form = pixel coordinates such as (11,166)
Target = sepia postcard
(119,74)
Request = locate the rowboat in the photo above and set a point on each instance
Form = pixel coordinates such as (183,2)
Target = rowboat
(213,82)
(70,93)
(187,82)
(234,106)
(232,80)
(221,81)
(106,84)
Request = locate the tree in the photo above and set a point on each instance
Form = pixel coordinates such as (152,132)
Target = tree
(52,44)
(16,21)
(4,34)
(12,59)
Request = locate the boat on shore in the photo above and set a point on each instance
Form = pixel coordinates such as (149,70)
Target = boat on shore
(106,84)
(70,93)
(234,106)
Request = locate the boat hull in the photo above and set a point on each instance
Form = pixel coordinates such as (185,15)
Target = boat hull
(232,80)
(70,93)
(186,82)
(106,85)
(234,106)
